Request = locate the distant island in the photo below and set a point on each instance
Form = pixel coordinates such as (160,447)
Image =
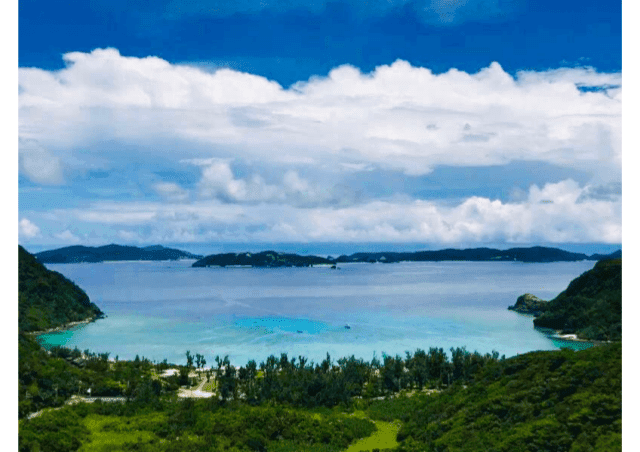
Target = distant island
(77,254)
(275,259)
(590,308)
(543,400)
(263,259)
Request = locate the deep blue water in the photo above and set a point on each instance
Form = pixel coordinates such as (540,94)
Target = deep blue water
(161,309)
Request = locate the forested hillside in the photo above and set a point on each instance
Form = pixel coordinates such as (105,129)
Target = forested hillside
(46,299)
(77,253)
(591,306)
(540,401)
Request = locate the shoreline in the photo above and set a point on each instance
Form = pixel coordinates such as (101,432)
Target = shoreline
(66,326)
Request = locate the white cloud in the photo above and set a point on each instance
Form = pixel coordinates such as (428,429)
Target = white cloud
(38,164)
(68,237)
(28,229)
(275,163)
(397,116)
(172,192)
(553,213)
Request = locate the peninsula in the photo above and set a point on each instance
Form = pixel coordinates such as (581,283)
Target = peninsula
(590,307)
(77,254)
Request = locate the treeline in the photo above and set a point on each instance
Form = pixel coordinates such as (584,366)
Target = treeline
(49,378)
(563,401)
(591,306)
(192,425)
(299,382)
(540,401)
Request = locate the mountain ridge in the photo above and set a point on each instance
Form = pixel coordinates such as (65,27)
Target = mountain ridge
(112,252)
(532,254)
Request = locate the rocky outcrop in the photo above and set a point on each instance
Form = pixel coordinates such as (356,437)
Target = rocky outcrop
(529,304)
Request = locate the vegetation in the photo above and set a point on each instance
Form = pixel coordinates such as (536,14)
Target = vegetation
(533,254)
(74,254)
(192,425)
(274,259)
(561,401)
(46,299)
(540,401)
(49,378)
(591,306)
(263,259)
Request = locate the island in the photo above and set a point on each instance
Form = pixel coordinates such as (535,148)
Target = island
(77,254)
(426,400)
(275,259)
(589,309)
(263,259)
(537,254)
(529,304)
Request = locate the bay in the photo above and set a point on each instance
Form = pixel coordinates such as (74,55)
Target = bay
(162,309)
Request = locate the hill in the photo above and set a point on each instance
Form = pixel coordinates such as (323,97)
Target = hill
(263,259)
(75,254)
(533,254)
(539,401)
(591,306)
(46,299)
(275,259)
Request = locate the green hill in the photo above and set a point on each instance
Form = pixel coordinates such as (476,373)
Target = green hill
(591,306)
(46,299)
(540,401)
(262,259)
(75,254)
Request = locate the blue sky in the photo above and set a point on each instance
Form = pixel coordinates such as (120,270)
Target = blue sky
(430,122)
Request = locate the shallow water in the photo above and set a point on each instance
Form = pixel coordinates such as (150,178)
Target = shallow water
(161,309)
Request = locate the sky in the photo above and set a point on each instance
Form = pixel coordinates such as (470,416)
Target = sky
(427,122)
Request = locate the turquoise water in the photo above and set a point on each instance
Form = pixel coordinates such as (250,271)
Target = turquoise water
(162,309)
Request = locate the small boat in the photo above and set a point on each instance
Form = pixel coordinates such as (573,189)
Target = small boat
(347,327)
(299,331)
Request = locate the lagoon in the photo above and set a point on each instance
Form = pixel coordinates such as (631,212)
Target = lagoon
(162,309)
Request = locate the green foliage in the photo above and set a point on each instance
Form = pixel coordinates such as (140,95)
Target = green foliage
(196,426)
(55,431)
(591,306)
(560,401)
(46,299)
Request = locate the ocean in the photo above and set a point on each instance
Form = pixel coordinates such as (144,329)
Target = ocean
(160,310)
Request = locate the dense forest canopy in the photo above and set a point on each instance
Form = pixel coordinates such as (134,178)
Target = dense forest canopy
(46,299)
(591,306)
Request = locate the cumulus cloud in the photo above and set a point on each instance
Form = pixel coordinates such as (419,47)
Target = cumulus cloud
(171,192)
(28,229)
(38,164)
(280,164)
(68,237)
(219,181)
(398,116)
(553,213)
